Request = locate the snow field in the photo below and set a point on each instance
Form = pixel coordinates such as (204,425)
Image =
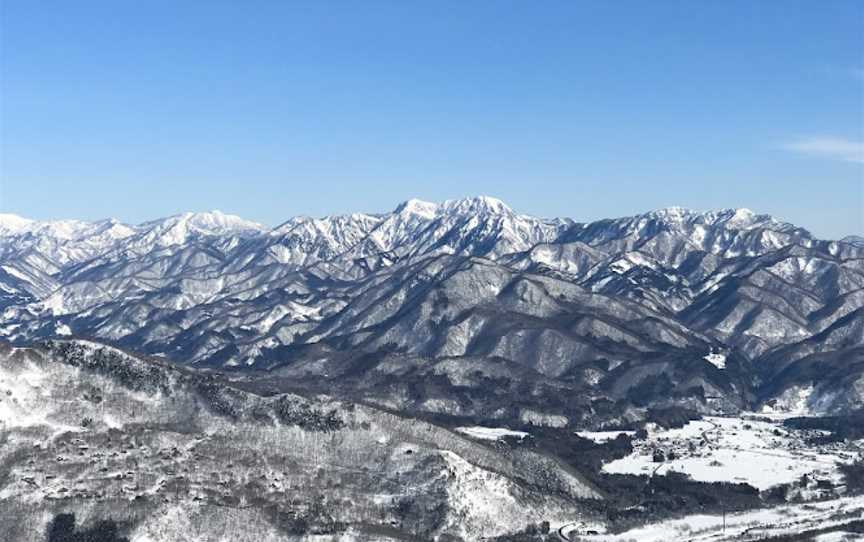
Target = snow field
(760,453)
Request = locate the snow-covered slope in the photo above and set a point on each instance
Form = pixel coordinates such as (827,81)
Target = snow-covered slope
(169,454)
(605,302)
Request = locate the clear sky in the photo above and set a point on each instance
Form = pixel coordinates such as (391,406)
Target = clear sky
(575,108)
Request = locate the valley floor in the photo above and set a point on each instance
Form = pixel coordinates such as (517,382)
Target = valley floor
(753,525)
(754,449)
(751,449)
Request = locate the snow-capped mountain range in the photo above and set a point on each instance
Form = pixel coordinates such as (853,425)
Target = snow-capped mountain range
(727,306)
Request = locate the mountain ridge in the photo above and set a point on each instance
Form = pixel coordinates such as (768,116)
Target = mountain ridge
(616,303)
(14,223)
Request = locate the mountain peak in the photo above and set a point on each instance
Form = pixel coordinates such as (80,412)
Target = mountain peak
(477,204)
(10,223)
(177,229)
(741,218)
(469,205)
(208,222)
(735,218)
(674,213)
(417,207)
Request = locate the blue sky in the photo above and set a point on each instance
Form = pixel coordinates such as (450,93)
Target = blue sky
(583,109)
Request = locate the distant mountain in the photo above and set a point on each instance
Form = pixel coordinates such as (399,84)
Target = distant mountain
(464,308)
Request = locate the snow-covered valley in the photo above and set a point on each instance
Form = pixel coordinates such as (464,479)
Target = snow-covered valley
(749,449)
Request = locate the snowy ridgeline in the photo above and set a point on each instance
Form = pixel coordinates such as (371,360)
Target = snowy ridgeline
(758,452)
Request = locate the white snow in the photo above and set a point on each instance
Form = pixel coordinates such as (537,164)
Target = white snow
(55,304)
(420,208)
(491,433)
(10,224)
(15,273)
(838,536)
(793,401)
(621,266)
(639,259)
(720,449)
(24,391)
(543,419)
(481,204)
(482,502)
(751,525)
(717,359)
(603,436)
(742,216)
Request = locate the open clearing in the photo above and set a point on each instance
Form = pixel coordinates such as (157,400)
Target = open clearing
(755,450)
